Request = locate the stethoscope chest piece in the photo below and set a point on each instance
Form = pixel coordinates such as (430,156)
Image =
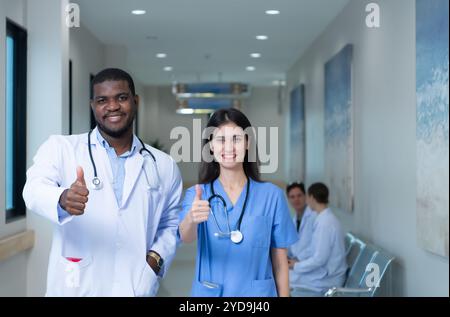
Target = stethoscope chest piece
(236,236)
(96,183)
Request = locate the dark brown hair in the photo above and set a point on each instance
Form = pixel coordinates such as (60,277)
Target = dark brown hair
(320,192)
(209,171)
(295,185)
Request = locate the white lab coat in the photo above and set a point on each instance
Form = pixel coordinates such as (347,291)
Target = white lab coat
(112,240)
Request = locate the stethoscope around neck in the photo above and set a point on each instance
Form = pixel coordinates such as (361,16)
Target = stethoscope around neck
(235,236)
(97,184)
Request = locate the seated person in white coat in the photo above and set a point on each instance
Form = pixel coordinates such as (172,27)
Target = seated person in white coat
(113,201)
(326,266)
(303,219)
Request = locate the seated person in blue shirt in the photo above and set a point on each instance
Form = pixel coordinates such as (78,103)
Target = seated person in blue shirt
(326,267)
(304,221)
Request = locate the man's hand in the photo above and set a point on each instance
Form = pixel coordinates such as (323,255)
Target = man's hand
(291,263)
(74,199)
(152,262)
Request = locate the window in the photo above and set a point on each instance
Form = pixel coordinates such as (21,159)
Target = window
(16,70)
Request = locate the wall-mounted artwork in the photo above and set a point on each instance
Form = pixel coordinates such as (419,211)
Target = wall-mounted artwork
(432,55)
(339,129)
(297,134)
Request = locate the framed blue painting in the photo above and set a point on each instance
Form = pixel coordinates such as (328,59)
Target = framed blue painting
(432,55)
(338,122)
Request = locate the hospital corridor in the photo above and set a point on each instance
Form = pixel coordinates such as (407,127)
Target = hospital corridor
(226,148)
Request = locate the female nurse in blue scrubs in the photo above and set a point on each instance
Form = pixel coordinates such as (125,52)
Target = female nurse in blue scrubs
(242,224)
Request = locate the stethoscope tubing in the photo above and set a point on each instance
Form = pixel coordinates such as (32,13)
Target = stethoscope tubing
(96,181)
(214,195)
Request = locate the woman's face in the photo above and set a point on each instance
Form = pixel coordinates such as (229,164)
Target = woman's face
(229,145)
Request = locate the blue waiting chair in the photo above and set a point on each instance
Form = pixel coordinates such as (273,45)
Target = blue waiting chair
(359,283)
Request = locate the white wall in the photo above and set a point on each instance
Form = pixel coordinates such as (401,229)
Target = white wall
(385,143)
(13,270)
(158,117)
(263,110)
(87,54)
(47,113)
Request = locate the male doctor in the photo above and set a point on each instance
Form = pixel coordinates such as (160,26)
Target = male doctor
(304,220)
(113,204)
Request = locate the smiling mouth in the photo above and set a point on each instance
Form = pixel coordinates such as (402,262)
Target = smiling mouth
(114,118)
(228,156)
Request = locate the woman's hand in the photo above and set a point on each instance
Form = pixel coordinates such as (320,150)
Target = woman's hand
(199,213)
(200,208)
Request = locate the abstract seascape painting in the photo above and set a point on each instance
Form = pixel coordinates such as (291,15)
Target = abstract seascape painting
(297,134)
(432,125)
(339,129)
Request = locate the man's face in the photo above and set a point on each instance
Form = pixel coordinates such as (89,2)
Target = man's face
(297,199)
(114,107)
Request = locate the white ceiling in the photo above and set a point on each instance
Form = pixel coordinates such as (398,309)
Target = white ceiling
(209,40)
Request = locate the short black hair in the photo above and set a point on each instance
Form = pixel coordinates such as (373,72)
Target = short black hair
(113,74)
(320,192)
(293,185)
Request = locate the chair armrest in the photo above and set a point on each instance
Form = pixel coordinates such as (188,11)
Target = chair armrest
(347,291)
(306,288)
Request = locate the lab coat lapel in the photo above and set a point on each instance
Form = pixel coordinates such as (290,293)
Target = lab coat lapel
(133,167)
(103,164)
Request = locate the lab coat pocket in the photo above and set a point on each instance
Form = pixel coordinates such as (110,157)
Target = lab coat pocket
(76,278)
(263,288)
(148,283)
(259,231)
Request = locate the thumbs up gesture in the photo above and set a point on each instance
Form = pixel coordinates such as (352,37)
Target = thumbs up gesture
(74,199)
(200,208)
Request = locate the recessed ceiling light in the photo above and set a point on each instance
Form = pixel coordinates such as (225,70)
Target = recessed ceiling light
(255,55)
(250,68)
(161,55)
(185,111)
(262,37)
(279,83)
(272,12)
(168,68)
(138,12)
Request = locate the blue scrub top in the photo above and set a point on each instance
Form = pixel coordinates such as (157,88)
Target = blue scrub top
(244,269)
